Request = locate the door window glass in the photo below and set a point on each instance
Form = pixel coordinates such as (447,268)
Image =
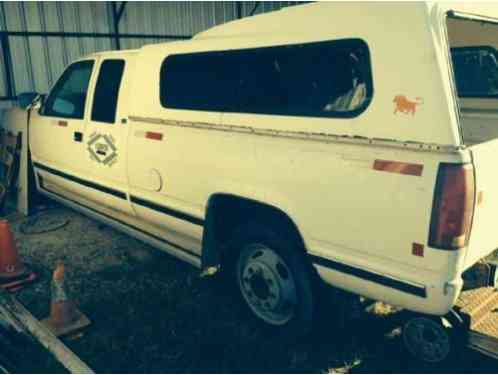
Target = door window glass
(105,99)
(68,97)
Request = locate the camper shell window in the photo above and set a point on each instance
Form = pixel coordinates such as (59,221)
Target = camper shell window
(323,79)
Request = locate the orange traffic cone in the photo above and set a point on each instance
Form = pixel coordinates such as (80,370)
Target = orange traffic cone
(13,273)
(65,318)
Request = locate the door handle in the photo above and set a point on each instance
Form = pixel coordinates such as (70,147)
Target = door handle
(78,136)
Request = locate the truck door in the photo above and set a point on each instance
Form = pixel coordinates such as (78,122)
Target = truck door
(106,136)
(56,131)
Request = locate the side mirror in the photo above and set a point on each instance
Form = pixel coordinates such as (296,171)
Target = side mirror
(38,102)
(25,99)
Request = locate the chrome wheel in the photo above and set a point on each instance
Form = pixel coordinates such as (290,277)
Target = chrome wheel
(267,284)
(427,340)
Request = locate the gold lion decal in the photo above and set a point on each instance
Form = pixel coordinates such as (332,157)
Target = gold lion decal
(406,106)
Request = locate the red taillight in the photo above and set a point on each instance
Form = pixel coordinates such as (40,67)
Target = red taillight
(452,207)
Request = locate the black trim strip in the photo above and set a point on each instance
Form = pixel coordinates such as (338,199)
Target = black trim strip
(142,202)
(92,185)
(190,252)
(370,276)
(168,211)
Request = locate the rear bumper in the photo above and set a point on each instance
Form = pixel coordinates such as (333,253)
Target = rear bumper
(434,298)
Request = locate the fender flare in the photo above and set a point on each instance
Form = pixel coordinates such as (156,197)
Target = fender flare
(211,252)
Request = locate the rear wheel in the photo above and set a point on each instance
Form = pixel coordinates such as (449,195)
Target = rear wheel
(267,284)
(274,279)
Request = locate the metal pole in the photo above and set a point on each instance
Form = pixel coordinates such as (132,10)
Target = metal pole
(116,16)
(9,77)
(116,25)
(239,10)
(256,6)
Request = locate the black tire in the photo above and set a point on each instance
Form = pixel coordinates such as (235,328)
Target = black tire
(439,342)
(292,259)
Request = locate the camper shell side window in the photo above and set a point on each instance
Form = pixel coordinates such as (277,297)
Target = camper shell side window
(322,79)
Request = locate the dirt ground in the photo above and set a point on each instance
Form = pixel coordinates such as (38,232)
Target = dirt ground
(152,313)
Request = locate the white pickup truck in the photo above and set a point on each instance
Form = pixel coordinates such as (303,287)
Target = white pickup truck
(358,145)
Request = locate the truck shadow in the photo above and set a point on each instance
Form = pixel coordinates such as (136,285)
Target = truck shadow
(160,317)
(151,313)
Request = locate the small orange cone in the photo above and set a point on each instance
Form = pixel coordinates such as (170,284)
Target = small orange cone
(65,318)
(13,273)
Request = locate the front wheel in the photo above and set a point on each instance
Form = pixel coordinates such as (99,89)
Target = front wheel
(274,279)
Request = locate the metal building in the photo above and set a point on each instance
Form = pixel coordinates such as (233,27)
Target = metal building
(38,39)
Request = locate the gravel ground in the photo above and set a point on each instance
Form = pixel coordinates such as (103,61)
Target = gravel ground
(152,313)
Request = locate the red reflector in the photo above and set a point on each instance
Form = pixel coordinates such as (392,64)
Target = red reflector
(418,249)
(398,167)
(154,136)
(453,206)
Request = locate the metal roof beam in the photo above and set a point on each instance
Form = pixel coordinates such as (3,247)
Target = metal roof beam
(65,34)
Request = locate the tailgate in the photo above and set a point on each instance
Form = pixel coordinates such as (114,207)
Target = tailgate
(484,235)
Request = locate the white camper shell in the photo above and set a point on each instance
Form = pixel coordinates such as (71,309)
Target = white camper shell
(344,139)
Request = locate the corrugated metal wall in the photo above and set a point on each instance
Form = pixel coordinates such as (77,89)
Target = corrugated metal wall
(38,61)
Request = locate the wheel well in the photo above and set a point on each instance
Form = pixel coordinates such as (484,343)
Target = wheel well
(225,213)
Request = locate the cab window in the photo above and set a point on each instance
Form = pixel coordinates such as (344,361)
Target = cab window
(68,97)
(105,98)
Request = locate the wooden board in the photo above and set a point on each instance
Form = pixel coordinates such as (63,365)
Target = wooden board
(20,320)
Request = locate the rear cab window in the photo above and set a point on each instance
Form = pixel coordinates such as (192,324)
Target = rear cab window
(322,79)
(68,97)
(105,98)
